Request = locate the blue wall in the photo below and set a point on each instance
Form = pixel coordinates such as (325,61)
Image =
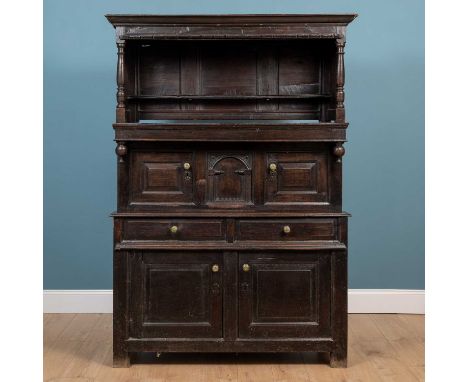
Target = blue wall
(384,164)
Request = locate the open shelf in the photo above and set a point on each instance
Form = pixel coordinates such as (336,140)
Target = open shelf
(230,80)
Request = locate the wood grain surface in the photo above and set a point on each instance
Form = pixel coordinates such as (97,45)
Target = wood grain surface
(382,347)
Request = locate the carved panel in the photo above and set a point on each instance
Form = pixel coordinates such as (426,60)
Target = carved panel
(160,179)
(284,295)
(299,178)
(229,179)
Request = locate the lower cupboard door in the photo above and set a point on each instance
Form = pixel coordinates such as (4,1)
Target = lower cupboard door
(176,295)
(284,295)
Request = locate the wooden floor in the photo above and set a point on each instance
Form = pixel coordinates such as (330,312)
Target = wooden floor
(382,347)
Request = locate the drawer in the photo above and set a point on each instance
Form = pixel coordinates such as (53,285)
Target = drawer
(287,229)
(177,229)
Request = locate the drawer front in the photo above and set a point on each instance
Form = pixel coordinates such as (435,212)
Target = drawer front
(287,230)
(181,229)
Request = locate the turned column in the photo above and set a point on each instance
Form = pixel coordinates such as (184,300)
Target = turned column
(340,80)
(120,110)
(122,174)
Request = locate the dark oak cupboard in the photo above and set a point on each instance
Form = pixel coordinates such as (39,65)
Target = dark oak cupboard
(229,234)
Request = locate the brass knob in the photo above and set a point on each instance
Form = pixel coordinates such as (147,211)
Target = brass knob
(186,166)
(246,267)
(286,229)
(215,268)
(272,167)
(173,229)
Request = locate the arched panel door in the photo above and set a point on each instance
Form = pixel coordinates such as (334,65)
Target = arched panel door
(229,179)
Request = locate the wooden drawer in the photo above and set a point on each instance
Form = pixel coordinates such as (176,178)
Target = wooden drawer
(287,230)
(175,229)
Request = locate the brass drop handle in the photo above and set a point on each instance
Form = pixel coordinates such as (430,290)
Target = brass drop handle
(187,172)
(272,167)
(286,229)
(246,267)
(215,268)
(173,229)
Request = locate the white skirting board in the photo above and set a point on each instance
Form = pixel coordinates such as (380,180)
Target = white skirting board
(360,301)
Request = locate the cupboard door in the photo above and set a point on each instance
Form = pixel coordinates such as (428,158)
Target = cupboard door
(176,295)
(229,179)
(284,295)
(297,178)
(161,178)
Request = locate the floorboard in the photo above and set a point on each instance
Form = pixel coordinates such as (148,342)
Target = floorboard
(382,348)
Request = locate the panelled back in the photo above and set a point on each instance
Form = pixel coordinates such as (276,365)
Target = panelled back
(230,80)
